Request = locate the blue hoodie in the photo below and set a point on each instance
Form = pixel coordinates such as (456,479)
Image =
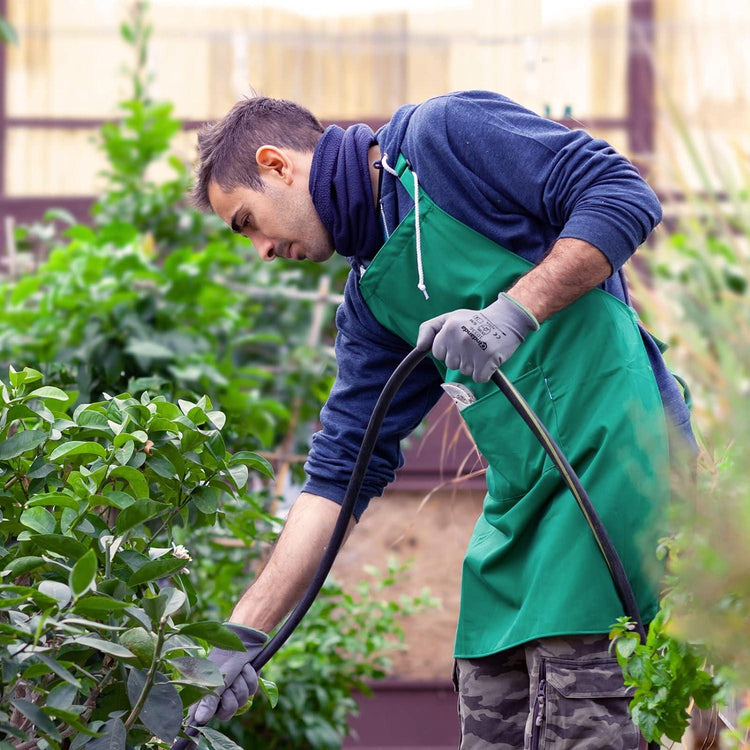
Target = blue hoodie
(517,178)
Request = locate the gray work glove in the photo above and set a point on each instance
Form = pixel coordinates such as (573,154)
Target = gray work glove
(240,681)
(477,342)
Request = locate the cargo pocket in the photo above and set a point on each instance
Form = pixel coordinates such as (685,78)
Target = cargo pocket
(585,707)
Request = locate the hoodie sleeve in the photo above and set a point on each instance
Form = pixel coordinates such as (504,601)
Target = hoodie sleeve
(519,163)
(367,354)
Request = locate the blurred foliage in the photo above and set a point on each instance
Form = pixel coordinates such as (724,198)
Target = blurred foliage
(667,675)
(158,295)
(8,33)
(695,295)
(166,306)
(103,315)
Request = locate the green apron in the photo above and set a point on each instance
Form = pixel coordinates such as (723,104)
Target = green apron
(532,568)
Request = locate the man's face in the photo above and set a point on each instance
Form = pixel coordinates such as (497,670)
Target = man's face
(280,221)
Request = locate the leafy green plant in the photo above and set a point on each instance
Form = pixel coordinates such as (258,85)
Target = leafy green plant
(695,295)
(109,318)
(94,590)
(667,675)
(155,294)
(159,302)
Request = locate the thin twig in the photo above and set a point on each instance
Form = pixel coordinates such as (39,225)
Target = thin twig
(149,679)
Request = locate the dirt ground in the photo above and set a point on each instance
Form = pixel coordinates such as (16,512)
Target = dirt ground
(435,537)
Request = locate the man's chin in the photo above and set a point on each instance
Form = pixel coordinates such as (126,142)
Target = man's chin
(316,255)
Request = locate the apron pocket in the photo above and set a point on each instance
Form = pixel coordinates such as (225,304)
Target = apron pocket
(586,706)
(516,457)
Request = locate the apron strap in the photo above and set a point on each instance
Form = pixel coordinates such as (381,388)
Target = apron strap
(402,164)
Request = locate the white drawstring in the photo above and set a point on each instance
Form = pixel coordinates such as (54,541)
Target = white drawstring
(385,223)
(417,231)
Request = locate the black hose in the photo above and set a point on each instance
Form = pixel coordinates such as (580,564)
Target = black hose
(611,557)
(347,506)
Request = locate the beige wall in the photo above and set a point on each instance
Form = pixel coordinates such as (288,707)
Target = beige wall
(70,56)
(434,536)
(703,86)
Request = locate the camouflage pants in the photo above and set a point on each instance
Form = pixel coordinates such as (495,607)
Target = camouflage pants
(563,693)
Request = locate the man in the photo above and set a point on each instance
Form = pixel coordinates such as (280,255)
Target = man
(474,228)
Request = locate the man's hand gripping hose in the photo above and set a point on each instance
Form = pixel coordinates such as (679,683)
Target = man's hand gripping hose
(257,656)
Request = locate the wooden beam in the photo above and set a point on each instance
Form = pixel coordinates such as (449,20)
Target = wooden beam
(3,79)
(640,81)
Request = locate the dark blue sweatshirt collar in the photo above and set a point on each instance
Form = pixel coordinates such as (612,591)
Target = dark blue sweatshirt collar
(342,192)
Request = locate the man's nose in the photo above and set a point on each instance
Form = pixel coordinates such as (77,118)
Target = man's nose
(264,247)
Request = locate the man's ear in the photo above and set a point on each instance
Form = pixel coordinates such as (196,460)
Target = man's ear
(273,161)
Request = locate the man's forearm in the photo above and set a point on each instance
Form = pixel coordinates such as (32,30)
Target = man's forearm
(292,564)
(571,269)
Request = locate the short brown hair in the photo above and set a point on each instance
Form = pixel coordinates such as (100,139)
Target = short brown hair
(226,149)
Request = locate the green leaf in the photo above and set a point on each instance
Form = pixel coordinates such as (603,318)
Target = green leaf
(69,717)
(59,214)
(239,475)
(78,447)
(57,590)
(161,466)
(97,605)
(162,711)
(36,716)
(57,499)
(626,646)
(65,546)
(198,671)
(107,647)
(40,469)
(156,569)
(117,499)
(173,454)
(48,392)
(88,416)
(213,632)
(217,740)
(24,593)
(148,350)
(134,478)
(113,736)
(61,697)
(25,564)
(126,32)
(270,690)
(20,443)
(167,603)
(124,454)
(125,437)
(137,513)
(83,574)
(7,32)
(38,519)
(59,669)
(206,499)
(253,461)
(31,375)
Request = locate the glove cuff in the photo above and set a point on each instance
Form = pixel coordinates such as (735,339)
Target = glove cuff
(250,637)
(533,322)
